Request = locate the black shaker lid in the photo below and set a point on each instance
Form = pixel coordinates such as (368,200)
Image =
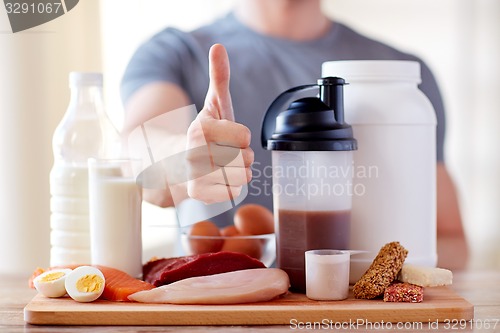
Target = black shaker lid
(309,124)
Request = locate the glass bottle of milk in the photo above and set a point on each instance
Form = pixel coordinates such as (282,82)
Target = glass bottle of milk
(84,132)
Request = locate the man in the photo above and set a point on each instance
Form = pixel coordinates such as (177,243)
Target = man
(273,45)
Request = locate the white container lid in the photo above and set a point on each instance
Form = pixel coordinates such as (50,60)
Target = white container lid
(85,79)
(369,70)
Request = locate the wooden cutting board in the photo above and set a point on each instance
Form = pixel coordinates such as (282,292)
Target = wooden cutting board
(439,304)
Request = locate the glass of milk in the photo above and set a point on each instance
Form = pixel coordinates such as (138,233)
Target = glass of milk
(115,200)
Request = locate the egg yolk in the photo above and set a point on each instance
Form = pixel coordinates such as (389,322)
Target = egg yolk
(90,283)
(52,276)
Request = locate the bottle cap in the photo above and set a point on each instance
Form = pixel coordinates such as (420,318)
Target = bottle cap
(314,124)
(85,79)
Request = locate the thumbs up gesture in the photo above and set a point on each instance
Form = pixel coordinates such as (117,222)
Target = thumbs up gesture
(219,154)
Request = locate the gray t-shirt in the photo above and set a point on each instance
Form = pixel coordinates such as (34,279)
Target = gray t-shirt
(261,68)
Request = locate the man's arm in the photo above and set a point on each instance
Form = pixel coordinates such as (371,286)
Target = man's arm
(147,104)
(451,241)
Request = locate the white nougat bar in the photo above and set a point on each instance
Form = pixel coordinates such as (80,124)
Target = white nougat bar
(425,276)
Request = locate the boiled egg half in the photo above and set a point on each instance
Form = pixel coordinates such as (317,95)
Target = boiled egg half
(85,284)
(51,283)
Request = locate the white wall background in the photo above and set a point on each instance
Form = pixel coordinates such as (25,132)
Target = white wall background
(34,93)
(459,39)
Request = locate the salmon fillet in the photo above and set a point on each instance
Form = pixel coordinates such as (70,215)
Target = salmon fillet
(119,285)
(238,287)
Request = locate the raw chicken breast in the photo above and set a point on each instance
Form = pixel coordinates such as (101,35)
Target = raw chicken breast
(245,286)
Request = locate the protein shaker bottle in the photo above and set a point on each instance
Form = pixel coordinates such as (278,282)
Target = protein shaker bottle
(312,174)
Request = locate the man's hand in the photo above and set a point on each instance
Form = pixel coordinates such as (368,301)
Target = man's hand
(219,154)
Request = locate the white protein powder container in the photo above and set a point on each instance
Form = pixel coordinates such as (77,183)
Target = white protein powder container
(394,171)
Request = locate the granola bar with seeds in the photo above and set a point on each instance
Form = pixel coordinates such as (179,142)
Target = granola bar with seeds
(382,272)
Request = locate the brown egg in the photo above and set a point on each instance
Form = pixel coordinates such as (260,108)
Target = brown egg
(254,219)
(250,247)
(229,231)
(204,228)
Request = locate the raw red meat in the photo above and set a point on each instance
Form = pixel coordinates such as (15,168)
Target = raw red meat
(165,271)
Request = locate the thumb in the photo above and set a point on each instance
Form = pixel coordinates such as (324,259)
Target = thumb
(218,98)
